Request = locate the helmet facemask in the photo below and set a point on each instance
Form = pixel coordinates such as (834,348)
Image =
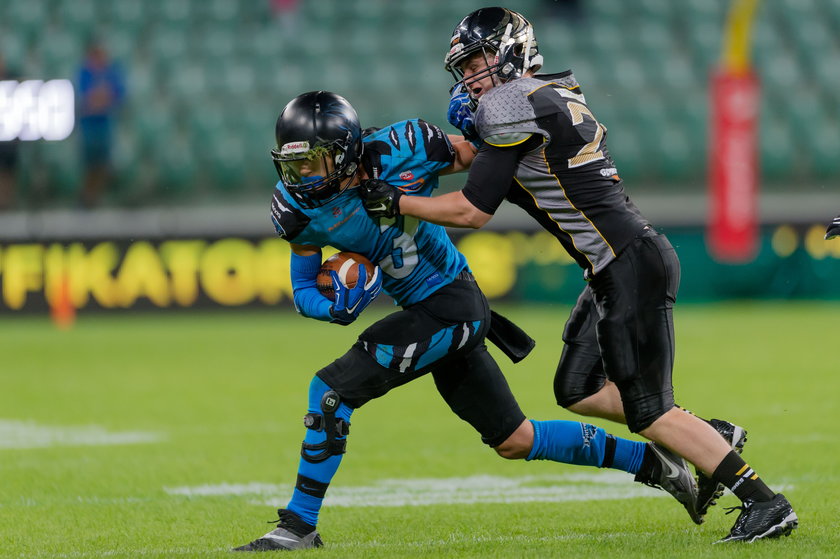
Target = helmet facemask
(314,175)
(510,51)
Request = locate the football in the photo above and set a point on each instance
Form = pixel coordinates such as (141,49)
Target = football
(345,263)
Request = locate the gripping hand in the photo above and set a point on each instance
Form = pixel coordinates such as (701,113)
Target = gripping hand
(380,198)
(833,229)
(460,114)
(349,303)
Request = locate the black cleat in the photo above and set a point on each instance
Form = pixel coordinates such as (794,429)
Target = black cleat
(665,470)
(709,490)
(758,520)
(291,533)
(833,229)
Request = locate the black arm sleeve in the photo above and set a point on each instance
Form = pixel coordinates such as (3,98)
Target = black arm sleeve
(492,172)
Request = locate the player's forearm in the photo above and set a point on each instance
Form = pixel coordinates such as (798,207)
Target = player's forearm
(451,210)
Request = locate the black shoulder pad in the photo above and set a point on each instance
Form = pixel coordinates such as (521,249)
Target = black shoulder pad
(436,143)
(288,220)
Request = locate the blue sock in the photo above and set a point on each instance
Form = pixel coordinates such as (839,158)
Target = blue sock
(628,455)
(573,442)
(313,479)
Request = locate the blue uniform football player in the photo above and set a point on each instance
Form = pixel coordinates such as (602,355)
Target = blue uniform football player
(321,156)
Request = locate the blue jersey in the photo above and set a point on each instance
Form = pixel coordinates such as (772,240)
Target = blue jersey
(417,257)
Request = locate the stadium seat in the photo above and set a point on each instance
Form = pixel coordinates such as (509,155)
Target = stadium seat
(27,18)
(186,58)
(62,54)
(778,156)
(126,15)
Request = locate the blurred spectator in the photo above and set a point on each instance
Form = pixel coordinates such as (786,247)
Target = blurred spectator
(8,153)
(101,91)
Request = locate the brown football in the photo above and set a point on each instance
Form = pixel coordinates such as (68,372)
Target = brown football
(346,264)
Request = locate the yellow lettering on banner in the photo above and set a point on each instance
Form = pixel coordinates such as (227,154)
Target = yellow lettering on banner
(181,259)
(22,273)
(55,271)
(784,241)
(90,273)
(273,277)
(227,272)
(815,242)
(141,274)
(548,250)
(491,257)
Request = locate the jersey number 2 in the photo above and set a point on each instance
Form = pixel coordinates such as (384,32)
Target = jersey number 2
(590,151)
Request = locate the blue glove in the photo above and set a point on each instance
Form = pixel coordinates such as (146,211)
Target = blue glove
(349,303)
(460,114)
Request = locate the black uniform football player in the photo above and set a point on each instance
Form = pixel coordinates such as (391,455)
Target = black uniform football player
(542,148)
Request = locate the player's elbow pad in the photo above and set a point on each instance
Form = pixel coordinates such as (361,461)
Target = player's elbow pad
(308,300)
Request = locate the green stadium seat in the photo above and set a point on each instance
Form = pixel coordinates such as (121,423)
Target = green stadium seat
(78,17)
(14,47)
(211,75)
(62,54)
(151,123)
(676,158)
(176,167)
(705,42)
(61,162)
(128,16)
(223,12)
(607,10)
(824,146)
(825,70)
(166,47)
(779,157)
(176,13)
(186,83)
(626,150)
(811,37)
(704,12)
(27,18)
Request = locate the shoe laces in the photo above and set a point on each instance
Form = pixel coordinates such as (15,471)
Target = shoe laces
(292,522)
(730,510)
(650,483)
(283,517)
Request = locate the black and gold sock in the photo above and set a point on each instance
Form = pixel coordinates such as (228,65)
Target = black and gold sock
(737,475)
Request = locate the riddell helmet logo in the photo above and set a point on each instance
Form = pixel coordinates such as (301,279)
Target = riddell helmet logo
(406,175)
(294,147)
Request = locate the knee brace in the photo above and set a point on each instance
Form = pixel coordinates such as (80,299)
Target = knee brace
(335,429)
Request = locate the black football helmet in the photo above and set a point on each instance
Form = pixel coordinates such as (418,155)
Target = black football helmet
(505,37)
(319,146)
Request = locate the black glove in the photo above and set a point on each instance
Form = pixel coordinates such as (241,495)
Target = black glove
(833,229)
(380,198)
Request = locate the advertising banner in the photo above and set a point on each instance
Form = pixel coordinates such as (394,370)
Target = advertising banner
(791,261)
(733,167)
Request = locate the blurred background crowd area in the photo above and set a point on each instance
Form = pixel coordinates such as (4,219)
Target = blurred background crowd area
(206,79)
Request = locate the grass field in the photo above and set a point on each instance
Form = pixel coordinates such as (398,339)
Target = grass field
(177,435)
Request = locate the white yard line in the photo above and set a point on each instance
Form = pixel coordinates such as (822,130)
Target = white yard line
(28,434)
(436,491)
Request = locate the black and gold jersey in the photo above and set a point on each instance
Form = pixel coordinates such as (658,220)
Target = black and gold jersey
(564,176)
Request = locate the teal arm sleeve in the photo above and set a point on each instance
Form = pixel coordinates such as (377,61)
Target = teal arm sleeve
(308,301)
